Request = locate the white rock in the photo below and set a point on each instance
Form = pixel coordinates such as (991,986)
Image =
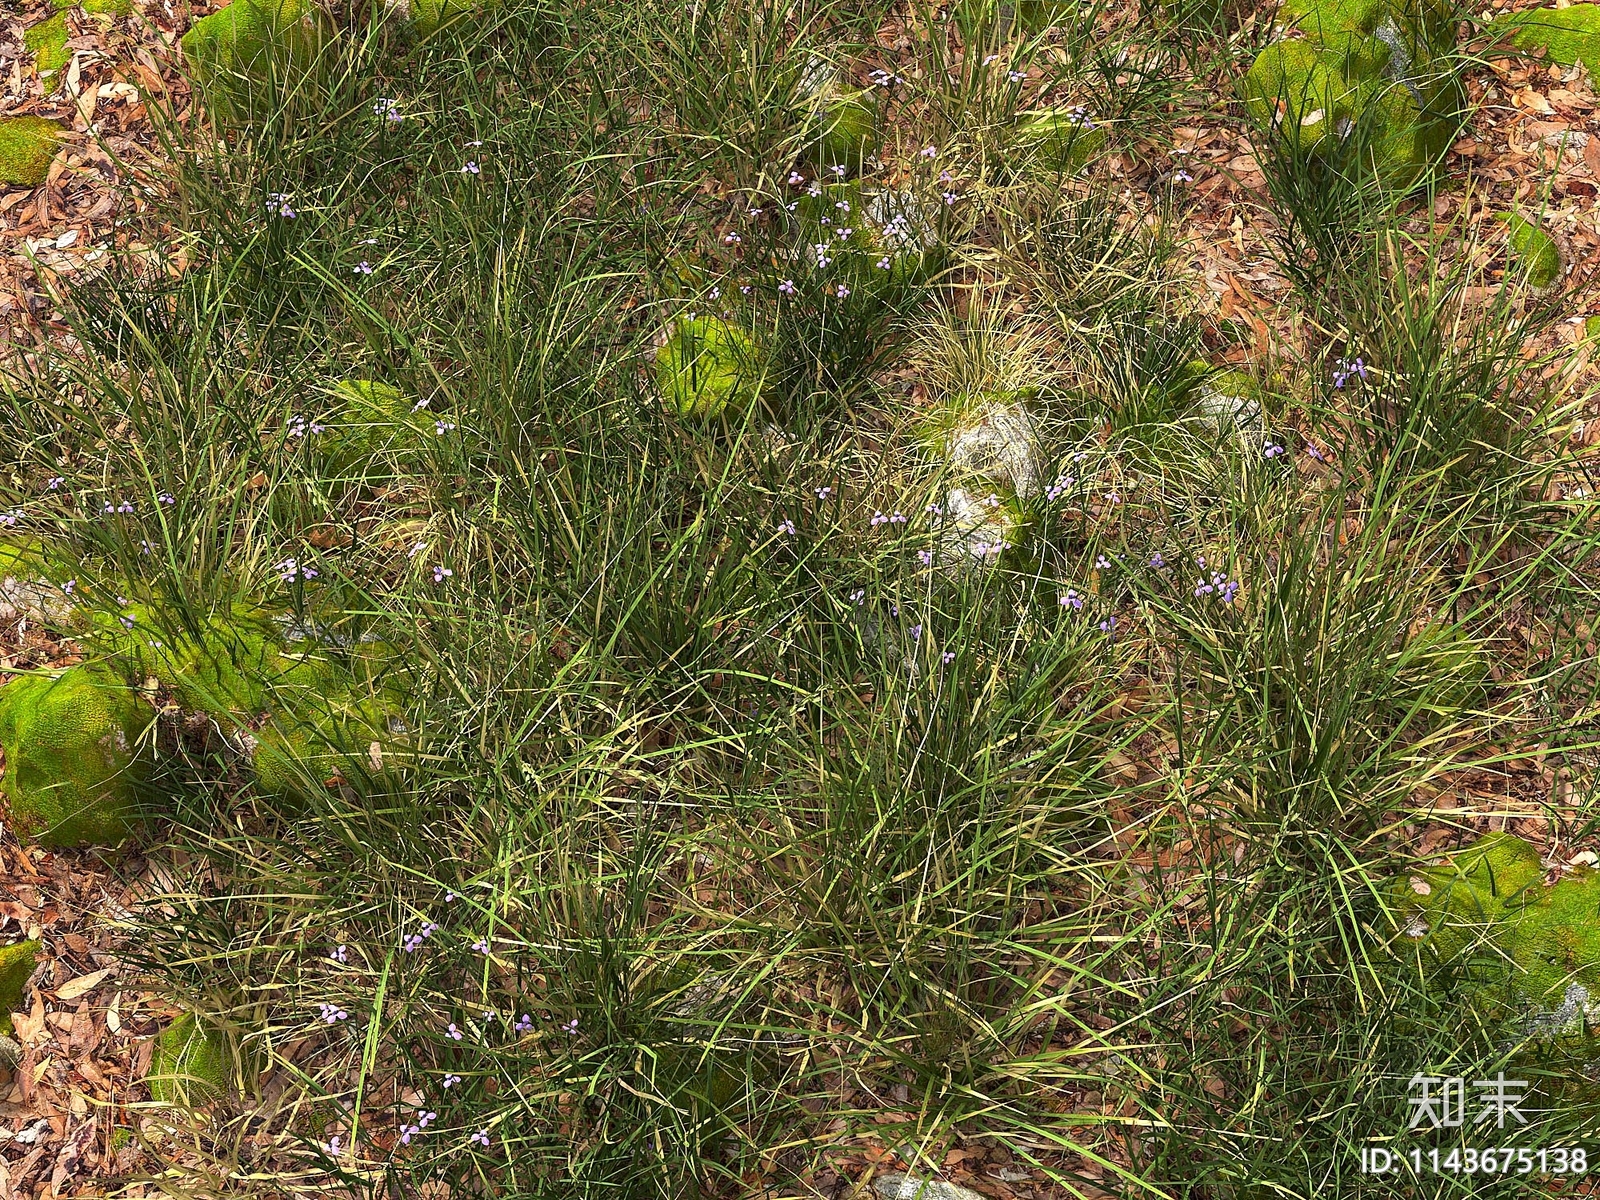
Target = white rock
(978,529)
(896,1186)
(1001,442)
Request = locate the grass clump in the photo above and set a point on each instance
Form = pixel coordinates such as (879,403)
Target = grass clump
(688,671)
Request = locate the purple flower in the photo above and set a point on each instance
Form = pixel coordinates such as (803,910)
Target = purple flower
(1312,450)
(1101,562)
(1072,600)
(450,1081)
(878,519)
(472,168)
(331,1146)
(481,1138)
(291,569)
(858,597)
(362,268)
(524,1023)
(1016,76)
(884,263)
(838,170)
(441,573)
(1109,625)
(481,945)
(440,428)
(331,1013)
(916,633)
(570,1027)
(407,1132)
(425,931)
(949,197)
(787,287)
(843,291)
(166,498)
(787,527)
(925,557)
(824,492)
(1272,450)
(387,108)
(1182,176)
(949,656)
(1157,561)
(929,151)
(338,953)
(452,1032)
(55,482)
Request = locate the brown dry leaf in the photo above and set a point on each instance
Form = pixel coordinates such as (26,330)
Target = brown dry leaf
(82,985)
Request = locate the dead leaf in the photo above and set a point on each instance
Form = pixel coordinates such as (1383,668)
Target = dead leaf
(82,985)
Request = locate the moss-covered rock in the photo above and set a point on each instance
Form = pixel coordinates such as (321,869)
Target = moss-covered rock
(48,39)
(1534,251)
(189,1064)
(16,965)
(846,131)
(247,42)
(1372,75)
(1567,35)
(1229,399)
(300,716)
(708,366)
(48,42)
(1542,943)
(72,775)
(27,146)
(375,433)
(1060,140)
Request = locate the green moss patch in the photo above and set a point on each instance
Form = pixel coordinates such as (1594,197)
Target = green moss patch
(1535,252)
(16,965)
(1542,944)
(1376,72)
(707,367)
(27,146)
(246,41)
(72,776)
(847,132)
(189,1065)
(1061,140)
(1567,35)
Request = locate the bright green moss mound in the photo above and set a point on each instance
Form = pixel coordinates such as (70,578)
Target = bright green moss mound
(190,1064)
(1061,140)
(1492,896)
(708,367)
(16,964)
(375,433)
(72,777)
(1535,251)
(27,145)
(1371,78)
(1567,35)
(428,15)
(300,716)
(48,39)
(245,40)
(847,133)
